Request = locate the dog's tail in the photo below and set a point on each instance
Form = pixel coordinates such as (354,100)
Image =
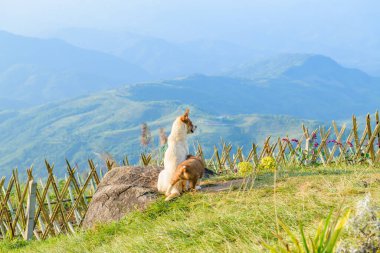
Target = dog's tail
(209,173)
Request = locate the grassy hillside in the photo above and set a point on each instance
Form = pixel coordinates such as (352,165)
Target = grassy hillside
(231,221)
(110,122)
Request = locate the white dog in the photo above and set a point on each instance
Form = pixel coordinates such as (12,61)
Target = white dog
(176,153)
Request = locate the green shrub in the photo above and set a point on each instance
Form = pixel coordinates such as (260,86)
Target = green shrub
(325,239)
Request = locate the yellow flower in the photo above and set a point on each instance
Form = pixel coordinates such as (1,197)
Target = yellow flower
(267,163)
(245,168)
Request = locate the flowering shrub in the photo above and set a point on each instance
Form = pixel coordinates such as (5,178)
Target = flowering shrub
(267,163)
(245,168)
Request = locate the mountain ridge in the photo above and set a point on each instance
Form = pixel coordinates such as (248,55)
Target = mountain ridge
(43,70)
(287,65)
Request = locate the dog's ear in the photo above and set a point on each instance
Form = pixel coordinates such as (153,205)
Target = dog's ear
(185,116)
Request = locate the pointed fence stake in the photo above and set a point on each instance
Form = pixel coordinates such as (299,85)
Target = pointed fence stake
(30,209)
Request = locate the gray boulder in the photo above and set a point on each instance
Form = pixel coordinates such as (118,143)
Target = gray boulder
(122,190)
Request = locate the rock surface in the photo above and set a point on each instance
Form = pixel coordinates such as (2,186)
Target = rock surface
(122,190)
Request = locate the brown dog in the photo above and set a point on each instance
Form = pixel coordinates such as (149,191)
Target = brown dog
(191,170)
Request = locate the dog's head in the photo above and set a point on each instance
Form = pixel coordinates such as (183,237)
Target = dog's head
(189,125)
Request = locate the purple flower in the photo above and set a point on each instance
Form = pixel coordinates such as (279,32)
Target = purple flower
(335,142)
(350,144)
(285,139)
(314,136)
(294,140)
(316,144)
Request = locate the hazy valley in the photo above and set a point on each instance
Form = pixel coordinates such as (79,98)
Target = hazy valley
(78,103)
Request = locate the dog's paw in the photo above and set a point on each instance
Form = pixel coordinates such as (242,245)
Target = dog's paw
(198,187)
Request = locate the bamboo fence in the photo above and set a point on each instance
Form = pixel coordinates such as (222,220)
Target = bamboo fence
(41,209)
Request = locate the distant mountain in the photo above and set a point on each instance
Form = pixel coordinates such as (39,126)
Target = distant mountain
(161,58)
(35,71)
(297,66)
(268,68)
(109,42)
(168,60)
(238,108)
(110,122)
(306,86)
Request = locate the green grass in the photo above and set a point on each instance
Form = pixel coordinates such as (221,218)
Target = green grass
(231,221)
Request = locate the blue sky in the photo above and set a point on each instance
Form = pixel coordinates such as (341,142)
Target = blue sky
(346,30)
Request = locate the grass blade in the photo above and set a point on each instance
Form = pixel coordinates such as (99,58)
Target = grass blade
(291,235)
(337,230)
(304,240)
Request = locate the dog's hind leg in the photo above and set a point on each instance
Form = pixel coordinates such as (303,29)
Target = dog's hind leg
(168,191)
(184,185)
(173,191)
(172,196)
(193,184)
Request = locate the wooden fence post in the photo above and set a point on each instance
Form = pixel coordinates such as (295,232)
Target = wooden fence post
(30,209)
